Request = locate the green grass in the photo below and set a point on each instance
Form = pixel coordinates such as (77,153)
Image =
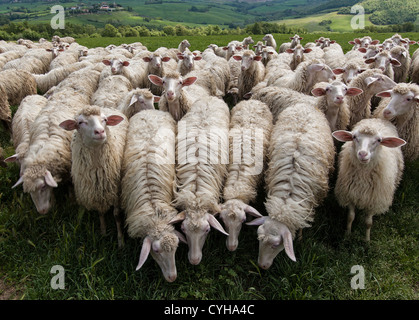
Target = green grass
(95,269)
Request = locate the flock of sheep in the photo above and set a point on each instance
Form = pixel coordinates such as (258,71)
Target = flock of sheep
(88,117)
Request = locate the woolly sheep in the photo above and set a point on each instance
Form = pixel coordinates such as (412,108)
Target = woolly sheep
(258,47)
(252,72)
(22,121)
(33,61)
(334,56)
(250,127)
(402,55)
(370,82)
(9,56)
(64,58)
(246,41)
(290,45)
(298,55)
(156,66)
(5,112)
(111,91)
(400,105)
(306,75)
(202,154)
(385,62)
(370,169)
(232,48)
(267,55)
(350,70)
(96,160)
(187,62)
(134,71)
(301,154)
(270,41)
(137,100)
(414,69)
(148,185)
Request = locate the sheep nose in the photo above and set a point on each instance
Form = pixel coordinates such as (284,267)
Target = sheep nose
(99,131)
(170,94)
(387,113)
(362,154)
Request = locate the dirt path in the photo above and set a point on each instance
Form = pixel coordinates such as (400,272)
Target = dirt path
(7,291)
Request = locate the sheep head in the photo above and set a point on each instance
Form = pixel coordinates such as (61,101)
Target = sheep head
(404,97)
(116,65)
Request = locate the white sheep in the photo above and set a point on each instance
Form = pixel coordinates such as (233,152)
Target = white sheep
(270,41)
(9,56)
(33,61)
(385,62)
(202,156)
(334,56)
(295,40)
(232,48)
(267,55)
(134,71)
(301,154)
(370,82)
(156,66)
(252,72)
(370,169)
(401,106)
(111,91)
(96,160)
(246,41)
(250,131)
(187,62)
(137,100)
(402,55)
(298,55)
(64,58)
(306,75)
(350,70)
(148,184)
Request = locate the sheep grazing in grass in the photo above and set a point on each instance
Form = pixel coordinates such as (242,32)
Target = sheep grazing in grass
(252,72)
(401,106)
(250,127)
(370,82)
(370,169)
(96,160)
(202,153)
(148,185)
(137,100)
(301,157)
(306,75)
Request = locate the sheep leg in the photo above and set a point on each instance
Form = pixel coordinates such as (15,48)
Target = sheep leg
(368,222)
(351,217)
(117,217)
(102,223)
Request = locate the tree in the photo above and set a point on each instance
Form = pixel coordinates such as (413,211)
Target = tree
(109,31)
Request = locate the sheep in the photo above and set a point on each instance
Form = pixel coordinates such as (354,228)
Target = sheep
(187,62)
(46,81)
(402,55)
(137,100)
(370,169)
(414,68)
(334,56)
(385,62)
(183,45)
(110,91)
(250,126)
(252,72)
(402,111)
(155,66)
(96,160)
(350,70)
(365,41)
(219,51)
(370,51)
(22,121)
(246,41)
(267,55)
(370,82)
(64,58)
(134,71)
(387,45)
(15,85)
(148,183)
(290,45)
(231,49)
(175,99)
(33,61)
(258,47)
(301,154)
(298,55)
(270,41)
(202,153)
(306,75)
(48,159)
(9,56)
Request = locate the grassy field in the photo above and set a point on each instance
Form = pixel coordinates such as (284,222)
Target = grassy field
(95,269)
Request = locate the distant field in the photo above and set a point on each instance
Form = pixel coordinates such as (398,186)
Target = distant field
(340,23)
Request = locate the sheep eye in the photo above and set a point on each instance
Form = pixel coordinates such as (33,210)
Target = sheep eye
(409,99)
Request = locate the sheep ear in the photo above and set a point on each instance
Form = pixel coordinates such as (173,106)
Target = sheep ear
(179,217)
(363,50)
(68,125)
(316,67)
(147,59)
(106,62)
(197,58)
(318,92)
(257,221)
(351,42)
(215,224)
(49,180)
(237,58)
(181,237)
(288,244)
(189,81)
(333,41)
(252,211)
(395,62)
(392,142)
(354,92)
(125,63)
(134,99)
(155,80)
(289,50)
(145,250)
(374,42)
(257,58)
(225,48)
(384,94)
(370,80)
(20,181)
(369,60)
(300,38)
(13,158)
(338,71)
(342,135)
(165,59)
(357,41)
(113,120)
(307,50)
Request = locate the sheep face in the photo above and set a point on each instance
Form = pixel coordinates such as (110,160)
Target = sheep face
(91,127)
(196,224)
(383,60)
(400,103)
(172,86)
(116,65)
(321,72)
(259,47)
(273,237)
(163,251)
(233,214)
(379,82)
(349,72)
(247,60)
(298,53)
(188,59)
(370,52)
(295,40)
(387,45)
(366,144)
(142,102)
(335,92)
(155,61)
